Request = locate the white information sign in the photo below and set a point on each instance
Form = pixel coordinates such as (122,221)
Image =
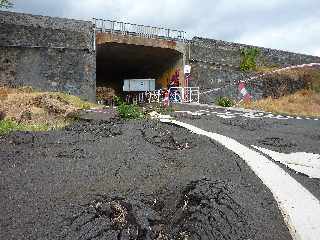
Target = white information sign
(187,69)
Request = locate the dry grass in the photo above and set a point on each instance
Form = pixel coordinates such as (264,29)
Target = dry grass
(25,109)
(265,69)
(302,103)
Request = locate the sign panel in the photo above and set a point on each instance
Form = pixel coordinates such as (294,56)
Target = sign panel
(187,69)
(138,85)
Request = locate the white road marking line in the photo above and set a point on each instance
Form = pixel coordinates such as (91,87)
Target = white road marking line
(191,113)
(269,116)
(300,209)
(252,115)
(306,163)
(279,117)
(225,116)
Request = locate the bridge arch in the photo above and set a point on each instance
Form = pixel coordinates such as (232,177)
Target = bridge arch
(122,54)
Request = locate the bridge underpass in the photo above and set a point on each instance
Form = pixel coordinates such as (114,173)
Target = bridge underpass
(130,51)
(119,61)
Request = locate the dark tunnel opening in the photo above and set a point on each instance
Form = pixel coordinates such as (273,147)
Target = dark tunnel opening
(116,62)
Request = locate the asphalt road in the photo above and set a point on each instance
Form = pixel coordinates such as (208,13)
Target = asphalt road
(134,180)
(282,134)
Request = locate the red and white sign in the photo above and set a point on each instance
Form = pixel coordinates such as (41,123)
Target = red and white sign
(242,88)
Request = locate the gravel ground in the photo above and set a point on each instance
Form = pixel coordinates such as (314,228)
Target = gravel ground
(130,180)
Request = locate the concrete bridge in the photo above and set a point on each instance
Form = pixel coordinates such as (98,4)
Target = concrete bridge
(58,54)
(131,51)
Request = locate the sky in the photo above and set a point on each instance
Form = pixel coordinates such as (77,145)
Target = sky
(292,25)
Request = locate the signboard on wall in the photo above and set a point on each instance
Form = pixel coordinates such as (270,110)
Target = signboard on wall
(138,85)
(187,69)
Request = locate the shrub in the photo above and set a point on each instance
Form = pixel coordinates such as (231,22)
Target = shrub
(225,102)
(118,100)
(248,59)
(7,126)
(129,111)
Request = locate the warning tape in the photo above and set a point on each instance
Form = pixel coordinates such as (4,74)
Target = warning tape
(261,75)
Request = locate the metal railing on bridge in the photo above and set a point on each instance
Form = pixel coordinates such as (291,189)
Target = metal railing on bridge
(115,27)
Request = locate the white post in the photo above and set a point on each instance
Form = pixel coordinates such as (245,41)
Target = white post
(182,95)
(198,95)
(158,96)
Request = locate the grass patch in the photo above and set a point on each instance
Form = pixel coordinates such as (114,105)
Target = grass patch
(302,103)
(76,101)
(265,69)
(26,109)
(7,126)
(224,102)
(305,102)
(129,111)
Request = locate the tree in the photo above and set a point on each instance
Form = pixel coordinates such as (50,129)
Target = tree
(5,4)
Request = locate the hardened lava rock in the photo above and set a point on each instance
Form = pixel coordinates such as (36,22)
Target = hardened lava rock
(204,210)
(207,210)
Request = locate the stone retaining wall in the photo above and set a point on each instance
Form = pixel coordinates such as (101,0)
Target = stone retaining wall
(216,64)
(50,54)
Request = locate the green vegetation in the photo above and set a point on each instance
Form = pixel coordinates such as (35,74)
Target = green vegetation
(25,109)
(118,100)
(225,102)
(129,111)
(248,59)
(5,4)
(7,126)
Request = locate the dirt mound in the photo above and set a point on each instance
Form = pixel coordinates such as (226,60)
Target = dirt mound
(53,104)
(205,209)
(105,93)
(40,109)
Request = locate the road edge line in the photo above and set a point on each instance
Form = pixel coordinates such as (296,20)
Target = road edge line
(299,208)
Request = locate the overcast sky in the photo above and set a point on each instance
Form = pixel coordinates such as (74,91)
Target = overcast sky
(292,25)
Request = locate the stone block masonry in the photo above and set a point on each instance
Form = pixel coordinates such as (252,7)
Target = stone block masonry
(57,54)
(216,64)
(49,54)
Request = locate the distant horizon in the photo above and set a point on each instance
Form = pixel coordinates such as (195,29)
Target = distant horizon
(293,30)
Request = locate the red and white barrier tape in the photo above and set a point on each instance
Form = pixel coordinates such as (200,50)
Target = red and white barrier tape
(262,75)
